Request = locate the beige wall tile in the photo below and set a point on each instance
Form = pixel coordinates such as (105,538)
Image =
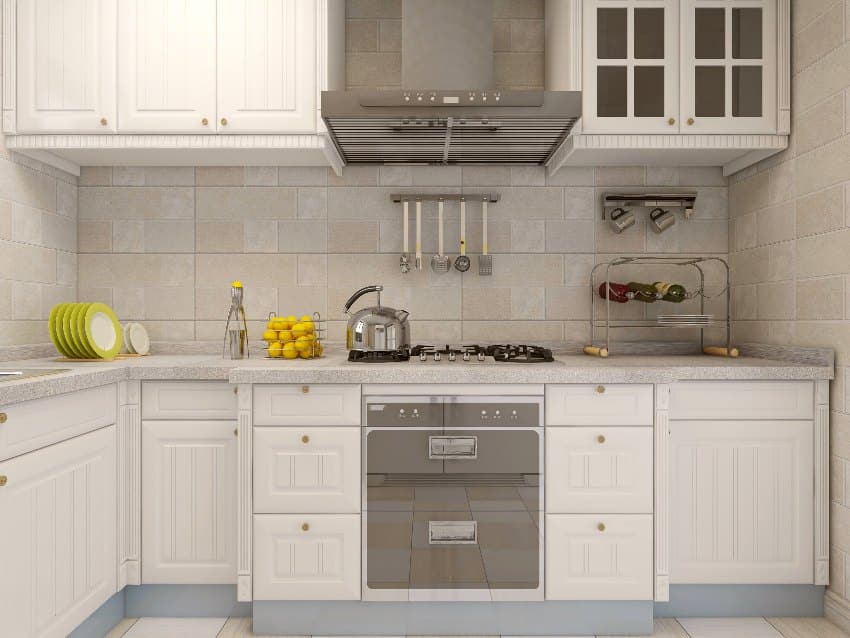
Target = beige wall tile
(22,262)
(486,175)
(825,254)
(570,302)
(776,223)
(312,270)
(662,176)
(220,237)
(96,176)
(260,175)
(128,236)
(66,199)
(261,236)
(356,237)
(389,35)
(749,195)
(26,224)
(302,175)
(528,236)
(572,176)
(5,219)
(220,176)
(821,298)
(312,203)
(361,35)
(528,176)
(821,211)
(373,70)
(354,176)
(501,35)
(112,271)
(518,70)
(302,236)
(819,37)
(824,166)
(620,176)
(820,125)
(516,331)
(488,304)
(505,9)
(26,300)
(267,271)
(26,186)
(5,300)
(527,35)
(59,232)
(373,9)
(168,236)
(528,303)
(98,202)
(153,176)
(818,81)
(250,202)
(66,268)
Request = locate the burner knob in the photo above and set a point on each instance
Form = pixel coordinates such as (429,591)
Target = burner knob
(483,414)
(481,356)
(466,356)
(452,356)
(415,413)
(437,356)
(423,356)
(498,413)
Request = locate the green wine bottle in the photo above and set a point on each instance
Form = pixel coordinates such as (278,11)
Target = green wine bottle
(671,292)
(643,292)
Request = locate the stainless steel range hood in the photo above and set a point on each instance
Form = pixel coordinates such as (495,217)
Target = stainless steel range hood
(448,112)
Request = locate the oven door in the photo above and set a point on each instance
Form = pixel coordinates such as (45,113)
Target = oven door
(452,513)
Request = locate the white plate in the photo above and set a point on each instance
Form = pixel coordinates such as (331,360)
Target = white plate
(127,347)
(139,339)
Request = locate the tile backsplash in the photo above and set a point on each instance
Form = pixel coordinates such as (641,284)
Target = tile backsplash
(162,244)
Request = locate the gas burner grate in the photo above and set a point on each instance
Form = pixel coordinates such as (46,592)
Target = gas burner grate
(390,356)
(520,353)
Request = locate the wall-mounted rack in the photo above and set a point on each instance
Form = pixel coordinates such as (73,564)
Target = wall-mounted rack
(649,200)
(446,197)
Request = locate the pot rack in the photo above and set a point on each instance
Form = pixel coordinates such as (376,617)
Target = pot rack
(446,197)
(684,201)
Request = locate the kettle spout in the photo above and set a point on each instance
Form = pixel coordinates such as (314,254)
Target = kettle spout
(402,315)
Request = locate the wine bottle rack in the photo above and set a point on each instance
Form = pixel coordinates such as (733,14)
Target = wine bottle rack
(603,323)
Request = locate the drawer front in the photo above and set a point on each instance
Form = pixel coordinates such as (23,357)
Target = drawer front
(306,470)
(307,557)
(35,424)
(599,470)
(599,404)
(742,400)
(599,557)
(327,404)
(178,400)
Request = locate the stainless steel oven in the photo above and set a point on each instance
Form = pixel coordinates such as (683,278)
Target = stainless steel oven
(452,498)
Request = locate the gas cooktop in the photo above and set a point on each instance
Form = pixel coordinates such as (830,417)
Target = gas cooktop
(505,353)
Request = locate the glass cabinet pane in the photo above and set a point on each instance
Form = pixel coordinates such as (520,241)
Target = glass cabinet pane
(649,91)
(746,91)
(710,91)
(649,34)
(611,34)
(710,34)
(611,98)
(746,34)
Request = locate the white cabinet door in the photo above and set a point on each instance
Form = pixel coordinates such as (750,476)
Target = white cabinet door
(598,470)
(267,66)
(599,557)
(66,66)
(741,506)
(166,66)
(729,66)
(739,400)
(306,470)
(58,551)
(188,502)
(309,557)
(630,66)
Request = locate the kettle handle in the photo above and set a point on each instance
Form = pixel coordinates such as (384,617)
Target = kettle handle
(360,293)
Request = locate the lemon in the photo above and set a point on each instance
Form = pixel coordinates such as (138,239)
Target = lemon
(283,324)
(299,330)
(318,349)
(304,343)
(270,335)
(285,335)
(306,318)
(275,349)
(308,325)
(306,354)
(289,351)
(292,319)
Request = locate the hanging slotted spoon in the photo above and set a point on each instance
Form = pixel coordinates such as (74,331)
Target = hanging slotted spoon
(485,260)
(462,262)
(440,262)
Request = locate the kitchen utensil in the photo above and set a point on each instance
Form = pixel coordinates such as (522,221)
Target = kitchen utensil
(720,351)
(404,262)
(236,329)
(621,219)
(440,262)
(376,328)
(102,330)
(485,260)
(139,339)
(462,263)
(661,219)
(418,234)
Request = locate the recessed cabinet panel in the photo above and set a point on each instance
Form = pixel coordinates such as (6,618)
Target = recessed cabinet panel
(612,33)
(649,33)
(746,91)
(709,33)
(612,91)
(710,91)
(746,33)
(649,91)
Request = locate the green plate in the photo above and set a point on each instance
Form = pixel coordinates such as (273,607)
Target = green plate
(79,331)
(102,331)
(54,334)
(68,324)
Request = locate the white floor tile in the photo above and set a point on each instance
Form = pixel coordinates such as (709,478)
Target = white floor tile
(807,628)
(729,628)
(176,628)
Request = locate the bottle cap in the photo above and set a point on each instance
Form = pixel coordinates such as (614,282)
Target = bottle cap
(237,284)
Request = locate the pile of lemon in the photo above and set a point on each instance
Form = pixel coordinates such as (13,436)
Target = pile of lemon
(290,338)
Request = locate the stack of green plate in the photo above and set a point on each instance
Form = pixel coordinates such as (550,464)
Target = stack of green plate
(85,330)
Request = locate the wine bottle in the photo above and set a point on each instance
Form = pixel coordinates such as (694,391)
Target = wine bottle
(675,293)
(619,293)
(643,292)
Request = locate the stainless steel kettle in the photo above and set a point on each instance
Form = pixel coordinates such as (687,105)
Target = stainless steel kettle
(376,328)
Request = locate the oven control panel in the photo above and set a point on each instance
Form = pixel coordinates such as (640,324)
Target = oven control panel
(452,412)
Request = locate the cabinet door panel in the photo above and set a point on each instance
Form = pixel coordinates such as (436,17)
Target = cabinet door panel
(58,553)
(66,66)
(166,66)
(599,557)
(741,501)
(188,502)
(267,66)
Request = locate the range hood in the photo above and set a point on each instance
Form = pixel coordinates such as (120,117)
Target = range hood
(447,111)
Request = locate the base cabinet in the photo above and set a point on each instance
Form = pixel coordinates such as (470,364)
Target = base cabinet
(188,502)
(58,556)
(599,557)
(307,557)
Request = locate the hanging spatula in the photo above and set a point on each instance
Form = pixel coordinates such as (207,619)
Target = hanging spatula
(404,261)
(485,260)
(440,262)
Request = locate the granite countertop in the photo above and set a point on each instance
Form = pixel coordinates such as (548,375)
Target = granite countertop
(334,368)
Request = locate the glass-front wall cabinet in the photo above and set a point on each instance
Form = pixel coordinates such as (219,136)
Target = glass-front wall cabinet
(630,69)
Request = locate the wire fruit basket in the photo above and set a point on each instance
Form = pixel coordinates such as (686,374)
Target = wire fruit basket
(291,338)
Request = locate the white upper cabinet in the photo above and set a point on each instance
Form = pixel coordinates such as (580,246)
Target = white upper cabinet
(166,66)
(631,71)
(66,66)
(729,66)
(267,66)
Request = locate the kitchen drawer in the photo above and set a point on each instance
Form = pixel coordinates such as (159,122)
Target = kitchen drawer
(306,470)
(35,424)
(599,470)
(179,400)
(599,557)
(326,404)
(742,400)
(599,404)
(307,557)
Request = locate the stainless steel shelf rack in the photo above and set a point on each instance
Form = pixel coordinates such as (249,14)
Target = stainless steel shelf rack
(700,321)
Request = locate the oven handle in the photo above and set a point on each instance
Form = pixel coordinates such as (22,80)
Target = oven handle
(453,532)
(452,447)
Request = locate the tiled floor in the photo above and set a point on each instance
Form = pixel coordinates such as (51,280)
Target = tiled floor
(664,628)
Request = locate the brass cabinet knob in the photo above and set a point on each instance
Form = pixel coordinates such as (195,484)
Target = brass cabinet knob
(305,389)
(305,527)
(671,121)
(690,121)
(3,417)
(103,121)
(205,121)
(224,121)
(601,438)
(601,527)
(235,390)
(235,431)
(600,389)
(305,439)
(3,480)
